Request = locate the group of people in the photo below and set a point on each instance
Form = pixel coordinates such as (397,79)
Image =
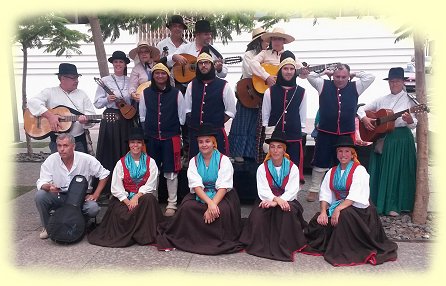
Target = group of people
(185,121)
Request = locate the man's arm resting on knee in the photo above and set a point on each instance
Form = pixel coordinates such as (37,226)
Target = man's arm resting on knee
(98,191)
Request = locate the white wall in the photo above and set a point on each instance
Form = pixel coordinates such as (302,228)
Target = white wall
(365,44)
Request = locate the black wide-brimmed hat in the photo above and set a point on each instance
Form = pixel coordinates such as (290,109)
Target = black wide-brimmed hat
(396,73)
(202,26)
(277,136)
(206,129)
(345,141)
(135,134)
(66,68)
(119,55)
(177,19)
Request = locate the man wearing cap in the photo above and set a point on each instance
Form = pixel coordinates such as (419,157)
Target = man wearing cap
(208,99)
(161,112)
(278,38)
(284,108)
(203,38)
(393,173)
(338,99)
(66,94)
(145,57)
(169,45)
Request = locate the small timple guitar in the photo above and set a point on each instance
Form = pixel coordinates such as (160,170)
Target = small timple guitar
(186,73)
(385,121)
(260,85)
(247,95)
(38,127)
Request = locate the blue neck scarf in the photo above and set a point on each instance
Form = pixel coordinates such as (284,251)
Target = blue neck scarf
(136,172)
(208,174)
(340,184)
(284,171)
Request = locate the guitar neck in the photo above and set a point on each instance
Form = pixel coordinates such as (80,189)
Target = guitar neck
(73,118)
(313,68)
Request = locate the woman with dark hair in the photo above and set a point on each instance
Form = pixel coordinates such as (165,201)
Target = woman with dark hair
(208,220)
(348,231)
(113,131)
(242,137)
(275,226)
(133,213)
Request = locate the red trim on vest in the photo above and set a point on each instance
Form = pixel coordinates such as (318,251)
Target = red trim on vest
(129,185)
(349,180)
(277,191)
(176,146)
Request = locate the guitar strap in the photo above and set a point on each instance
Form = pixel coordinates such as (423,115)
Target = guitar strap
(215,52)
(286,107)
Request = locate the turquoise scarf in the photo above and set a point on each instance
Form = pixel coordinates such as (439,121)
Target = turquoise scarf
(208,174)
(284,171)
(340,184)
(136,172)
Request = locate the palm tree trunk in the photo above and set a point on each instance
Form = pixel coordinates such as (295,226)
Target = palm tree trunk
(29,148)
(419,215)
(99,45)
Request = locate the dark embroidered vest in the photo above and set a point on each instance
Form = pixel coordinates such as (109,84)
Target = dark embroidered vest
(337,108)
(290,121)
(161,120)
(207,103)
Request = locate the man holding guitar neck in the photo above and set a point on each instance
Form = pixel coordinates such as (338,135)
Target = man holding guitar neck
(393,172)
(203,38)
(66,94)
(338,99)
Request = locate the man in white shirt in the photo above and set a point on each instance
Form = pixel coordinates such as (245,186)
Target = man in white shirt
(56,174)
(169,45)
(66,94)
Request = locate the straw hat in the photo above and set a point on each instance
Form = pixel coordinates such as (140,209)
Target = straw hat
(256,33)
(279,33)
(153,50)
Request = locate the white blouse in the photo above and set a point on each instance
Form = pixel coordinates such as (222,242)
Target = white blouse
(224,179)
(291,188)
(359,190)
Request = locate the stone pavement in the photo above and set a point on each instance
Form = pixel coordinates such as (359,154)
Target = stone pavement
(32,253)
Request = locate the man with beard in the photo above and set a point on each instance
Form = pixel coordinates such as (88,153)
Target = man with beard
(208,99)
(284,108)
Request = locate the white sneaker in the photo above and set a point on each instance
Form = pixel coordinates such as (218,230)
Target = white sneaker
(43,234)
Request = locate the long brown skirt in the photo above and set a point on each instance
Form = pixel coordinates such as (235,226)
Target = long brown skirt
(274,234)
(358,238)
(121,228)
(187,230)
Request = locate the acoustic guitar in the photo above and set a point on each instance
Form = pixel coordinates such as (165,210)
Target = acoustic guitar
(260,85)
(186,73)
(247,95)
(385,121)
(38,127)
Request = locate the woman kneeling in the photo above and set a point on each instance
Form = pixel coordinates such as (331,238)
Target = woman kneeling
(275,228)
(348,231)
(133,213)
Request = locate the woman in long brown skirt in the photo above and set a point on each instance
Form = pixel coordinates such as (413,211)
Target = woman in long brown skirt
(208,220)
(347,231)
(133,213)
